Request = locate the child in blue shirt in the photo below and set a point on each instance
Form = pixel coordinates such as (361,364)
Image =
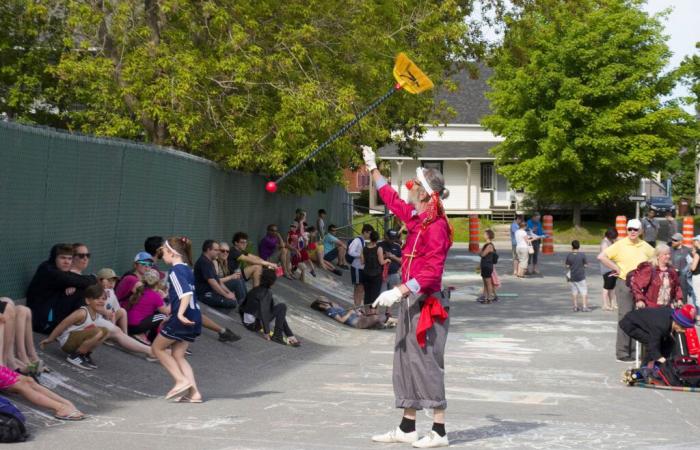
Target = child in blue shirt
(184,324)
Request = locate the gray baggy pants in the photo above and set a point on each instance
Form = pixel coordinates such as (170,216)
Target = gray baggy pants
(624,347)
(419,373)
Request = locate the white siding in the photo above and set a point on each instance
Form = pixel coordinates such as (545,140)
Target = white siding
(455,173)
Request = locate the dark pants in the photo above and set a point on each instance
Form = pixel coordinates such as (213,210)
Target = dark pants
(642,335)
(52,311)
(279,312)
(149,326)
(216,300)
(373,287)
(532,260)
(239,288)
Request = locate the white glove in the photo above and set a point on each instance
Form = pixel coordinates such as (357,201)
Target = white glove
(388,298)
(369,156)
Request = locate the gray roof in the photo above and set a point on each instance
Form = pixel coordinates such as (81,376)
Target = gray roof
(468,100)
(443,150)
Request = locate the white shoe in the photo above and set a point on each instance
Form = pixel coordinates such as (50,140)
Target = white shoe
(432,440)
(396,436)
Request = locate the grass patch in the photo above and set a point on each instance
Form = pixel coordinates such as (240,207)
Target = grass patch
(590,233)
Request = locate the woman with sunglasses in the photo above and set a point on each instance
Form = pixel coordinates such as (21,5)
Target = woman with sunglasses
(418,372)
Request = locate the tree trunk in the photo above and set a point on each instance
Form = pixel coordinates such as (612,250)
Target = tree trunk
(577,215)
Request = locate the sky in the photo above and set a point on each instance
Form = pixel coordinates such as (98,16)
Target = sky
(682,26)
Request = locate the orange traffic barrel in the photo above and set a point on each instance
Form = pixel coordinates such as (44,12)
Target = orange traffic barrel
(474,234)
(548,228)
(621,226)
(688,231)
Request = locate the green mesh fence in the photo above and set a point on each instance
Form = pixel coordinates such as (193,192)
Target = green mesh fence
(111,194)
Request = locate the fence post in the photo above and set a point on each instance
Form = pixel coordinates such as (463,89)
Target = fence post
(548,228)
(621,226)
(474,234)
(688,231)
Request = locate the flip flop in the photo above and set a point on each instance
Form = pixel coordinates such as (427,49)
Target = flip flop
(186,399)
(74,416)
(172,394)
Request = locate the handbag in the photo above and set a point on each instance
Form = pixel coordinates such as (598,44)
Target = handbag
(530,249)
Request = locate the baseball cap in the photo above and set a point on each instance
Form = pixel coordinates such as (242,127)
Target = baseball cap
(677,237)
(106,274)
(685,316)
(143,256)
(634,223)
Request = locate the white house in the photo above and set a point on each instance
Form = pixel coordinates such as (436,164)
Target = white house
(460,149)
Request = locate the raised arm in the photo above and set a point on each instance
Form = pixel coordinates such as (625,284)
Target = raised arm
(391,198)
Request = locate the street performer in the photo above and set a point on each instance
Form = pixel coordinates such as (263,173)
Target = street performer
(421,333)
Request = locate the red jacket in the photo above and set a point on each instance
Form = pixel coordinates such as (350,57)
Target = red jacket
(645,285)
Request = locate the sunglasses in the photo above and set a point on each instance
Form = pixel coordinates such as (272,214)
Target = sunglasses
(82,255)
(633,229)
(225,251)
(145,263)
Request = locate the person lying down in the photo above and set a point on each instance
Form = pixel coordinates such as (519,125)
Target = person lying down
(356,318)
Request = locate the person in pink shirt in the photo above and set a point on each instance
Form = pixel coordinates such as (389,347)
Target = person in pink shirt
(421,334)
(146,308)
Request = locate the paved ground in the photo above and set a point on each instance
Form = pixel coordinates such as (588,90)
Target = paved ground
(524,373)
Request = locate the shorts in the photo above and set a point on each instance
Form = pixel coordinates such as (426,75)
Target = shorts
(355,276)
(104,323)
(177,331)
(609,281)
(523,256)
(579,287)
(331,255)
(8,377)
(487,271)
(76,338)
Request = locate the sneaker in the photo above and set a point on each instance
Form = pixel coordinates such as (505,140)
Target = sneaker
(344,266)
(338,272)
(396,436)
(585,309)
(228,336)
(78,361)
(313,273)
(89,361)
(626,360)
(432,440)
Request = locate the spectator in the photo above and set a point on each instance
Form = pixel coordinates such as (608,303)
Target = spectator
(609,299)
(680,258)
(300,220)
(79,334)
(655,284)
(622,257)
(350,317)
(17,349)
(315,250)
(184,324)
(392,251)
(254,264)
(650,228)
(334,249)
(115,313)
(489,257)
(143,261)
(534,225)
(653,327)
(259,310)
(373,262)
(233,280)
(146,308)
(672,225)
(576,264)
(355,249)
(209,289)
(297,245)
(523,243)
(321,223)
(38,395)
(695,269)
(514,227)
(273,248)
(49,295)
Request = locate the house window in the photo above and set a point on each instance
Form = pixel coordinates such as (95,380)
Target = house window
(487,177)
(432,165)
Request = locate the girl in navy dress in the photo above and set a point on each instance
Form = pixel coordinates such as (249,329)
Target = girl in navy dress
(184,324)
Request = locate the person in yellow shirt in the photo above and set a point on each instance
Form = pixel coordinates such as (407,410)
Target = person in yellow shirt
(623,257)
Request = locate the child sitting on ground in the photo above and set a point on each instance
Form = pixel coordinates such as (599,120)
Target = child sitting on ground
(115,313)
(37,394)
(576,264)
(80,333)
(147,309)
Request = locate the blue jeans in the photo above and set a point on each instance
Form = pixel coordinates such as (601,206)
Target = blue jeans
(239,288)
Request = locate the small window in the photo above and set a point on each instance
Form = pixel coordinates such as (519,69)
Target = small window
(487,176)
(432,165)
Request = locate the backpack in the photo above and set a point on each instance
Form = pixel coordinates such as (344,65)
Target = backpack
(680,371)
(12,423)
(348,258)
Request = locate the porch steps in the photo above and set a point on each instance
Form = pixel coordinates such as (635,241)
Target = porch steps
(503,215)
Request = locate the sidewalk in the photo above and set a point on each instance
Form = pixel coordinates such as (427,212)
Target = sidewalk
(507,245)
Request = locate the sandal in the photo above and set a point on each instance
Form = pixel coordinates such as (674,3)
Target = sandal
(186,399)
(74,416)
(174,393)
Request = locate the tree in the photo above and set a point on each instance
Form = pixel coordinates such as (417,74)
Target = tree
(253,84)
(577,89)
(689,73)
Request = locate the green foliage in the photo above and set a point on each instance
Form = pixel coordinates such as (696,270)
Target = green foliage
(253,84)
(689,73)
(576,95)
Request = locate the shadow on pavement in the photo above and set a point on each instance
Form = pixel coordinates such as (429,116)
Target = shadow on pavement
(500,428)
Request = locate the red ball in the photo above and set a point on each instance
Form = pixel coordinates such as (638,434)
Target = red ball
(271,187)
